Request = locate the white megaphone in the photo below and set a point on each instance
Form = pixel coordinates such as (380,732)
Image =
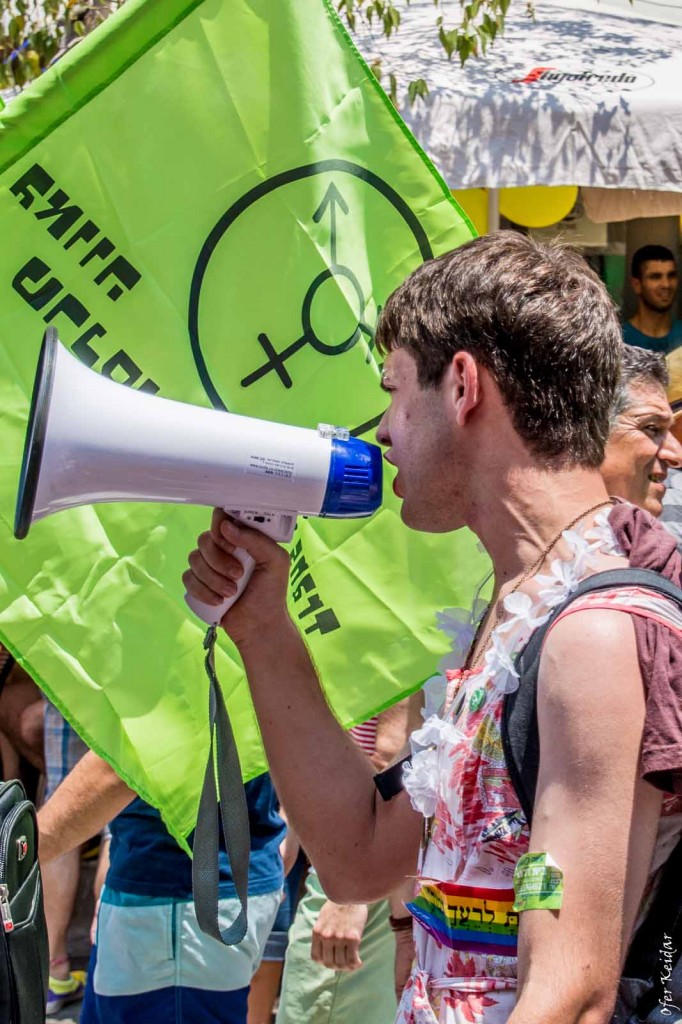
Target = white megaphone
(90,439)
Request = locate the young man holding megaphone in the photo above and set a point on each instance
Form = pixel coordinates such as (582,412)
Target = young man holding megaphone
(502,360)
(501,363)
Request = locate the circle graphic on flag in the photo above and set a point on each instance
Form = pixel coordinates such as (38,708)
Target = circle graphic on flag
(287,291)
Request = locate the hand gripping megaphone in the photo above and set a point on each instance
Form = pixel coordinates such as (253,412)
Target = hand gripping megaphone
(90,439)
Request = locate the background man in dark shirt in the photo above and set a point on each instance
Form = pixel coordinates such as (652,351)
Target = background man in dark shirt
(654,282)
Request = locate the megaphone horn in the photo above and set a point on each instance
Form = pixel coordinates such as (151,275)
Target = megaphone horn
(90,439)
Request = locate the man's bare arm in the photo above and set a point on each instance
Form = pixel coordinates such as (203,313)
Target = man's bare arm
(593,815)
(361,846)
(88,798)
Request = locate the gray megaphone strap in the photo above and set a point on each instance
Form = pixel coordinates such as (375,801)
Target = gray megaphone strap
(234,816)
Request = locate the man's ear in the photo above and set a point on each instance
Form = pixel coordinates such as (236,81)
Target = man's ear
(636,285)
(464,381)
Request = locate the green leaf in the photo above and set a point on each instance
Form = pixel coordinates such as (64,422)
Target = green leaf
(16,28)
(449,40)
(489,26)
(393,93)
(417,88)
(466,47)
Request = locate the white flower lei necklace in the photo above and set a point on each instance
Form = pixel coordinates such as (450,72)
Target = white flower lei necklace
(524,614)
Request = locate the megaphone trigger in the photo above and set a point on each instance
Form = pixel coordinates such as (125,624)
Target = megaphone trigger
(279,526)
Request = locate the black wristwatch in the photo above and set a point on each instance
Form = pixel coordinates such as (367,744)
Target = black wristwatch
(390,782)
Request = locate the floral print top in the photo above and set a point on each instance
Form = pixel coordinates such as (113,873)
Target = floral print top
(465,926)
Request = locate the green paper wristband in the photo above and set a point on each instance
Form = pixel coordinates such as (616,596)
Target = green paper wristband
(538,883)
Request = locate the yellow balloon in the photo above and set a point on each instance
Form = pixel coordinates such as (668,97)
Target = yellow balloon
(537,206)
(474,202)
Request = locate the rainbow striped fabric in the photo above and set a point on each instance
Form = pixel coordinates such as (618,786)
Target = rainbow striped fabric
(463,917)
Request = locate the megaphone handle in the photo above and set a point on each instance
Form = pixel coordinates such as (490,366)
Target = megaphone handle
(211,614)
(278,525)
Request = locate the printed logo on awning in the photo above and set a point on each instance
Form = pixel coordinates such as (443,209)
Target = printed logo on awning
(552,76)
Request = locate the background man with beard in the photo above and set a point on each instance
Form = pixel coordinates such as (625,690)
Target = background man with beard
(654,282)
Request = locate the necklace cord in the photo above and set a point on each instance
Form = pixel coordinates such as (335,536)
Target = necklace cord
(471,661)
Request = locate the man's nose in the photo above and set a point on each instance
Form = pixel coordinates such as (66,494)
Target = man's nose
(384,438)
(670,451)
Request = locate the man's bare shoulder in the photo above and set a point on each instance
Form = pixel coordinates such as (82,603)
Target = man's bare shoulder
(590,687)
(587,638)
(580,629)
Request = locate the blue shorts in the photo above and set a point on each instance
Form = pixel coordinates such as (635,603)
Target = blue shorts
(153,965)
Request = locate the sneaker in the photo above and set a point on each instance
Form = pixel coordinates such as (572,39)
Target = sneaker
(61,992)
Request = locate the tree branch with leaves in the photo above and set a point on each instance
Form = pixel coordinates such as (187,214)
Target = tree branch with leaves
(477,23)
(35,33)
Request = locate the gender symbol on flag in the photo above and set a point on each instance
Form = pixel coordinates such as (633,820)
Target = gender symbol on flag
(381,211)
(276,361)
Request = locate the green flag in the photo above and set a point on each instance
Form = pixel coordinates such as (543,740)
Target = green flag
(210,200)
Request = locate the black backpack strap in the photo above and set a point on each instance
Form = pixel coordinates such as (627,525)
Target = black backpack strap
(520,737)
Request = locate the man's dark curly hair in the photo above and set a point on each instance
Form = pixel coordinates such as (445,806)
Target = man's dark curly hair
(537,318)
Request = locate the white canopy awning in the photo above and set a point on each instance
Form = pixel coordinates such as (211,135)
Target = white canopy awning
(586,94)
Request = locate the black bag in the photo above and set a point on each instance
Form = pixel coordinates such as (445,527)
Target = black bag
(24,949)
(650,990)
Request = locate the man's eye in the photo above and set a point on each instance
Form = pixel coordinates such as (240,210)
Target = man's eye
(653,429)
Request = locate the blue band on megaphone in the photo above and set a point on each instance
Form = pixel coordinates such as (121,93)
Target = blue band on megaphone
(354,483)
